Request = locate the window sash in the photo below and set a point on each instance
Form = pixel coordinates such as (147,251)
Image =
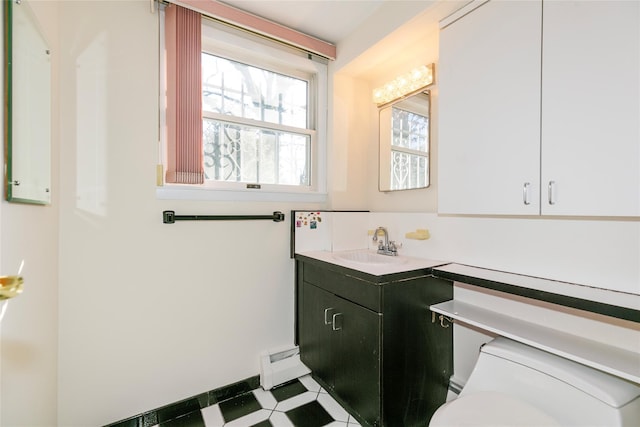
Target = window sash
(253,95)
(410,130)
(261,150)
(408,170)
(279,155)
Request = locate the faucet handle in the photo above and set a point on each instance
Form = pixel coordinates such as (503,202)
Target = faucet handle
(375,233)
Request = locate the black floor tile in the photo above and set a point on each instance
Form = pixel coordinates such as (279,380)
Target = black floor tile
(192,419)
(310,415)
(287,390)
(239,406)
(265,423)
(131,422)
(234,390)
(178,409)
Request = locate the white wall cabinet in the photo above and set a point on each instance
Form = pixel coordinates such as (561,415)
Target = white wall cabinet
(539,110)
(489,110)
(591,108)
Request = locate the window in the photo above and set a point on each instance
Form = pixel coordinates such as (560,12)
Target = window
(263,118)
(409,149)
(404,143)
(256,124)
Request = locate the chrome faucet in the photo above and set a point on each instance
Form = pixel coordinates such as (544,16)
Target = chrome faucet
(389,246)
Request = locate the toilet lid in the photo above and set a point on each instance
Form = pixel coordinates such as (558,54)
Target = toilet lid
(490,409)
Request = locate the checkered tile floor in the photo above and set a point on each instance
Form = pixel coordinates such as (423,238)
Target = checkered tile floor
(299,403)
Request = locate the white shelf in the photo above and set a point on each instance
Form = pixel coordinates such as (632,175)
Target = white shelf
(582,292)
(613,360)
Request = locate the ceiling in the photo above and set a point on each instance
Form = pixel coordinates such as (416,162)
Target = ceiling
(328,20)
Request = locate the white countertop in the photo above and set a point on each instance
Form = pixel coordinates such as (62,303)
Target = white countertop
(391,265)
(589,293)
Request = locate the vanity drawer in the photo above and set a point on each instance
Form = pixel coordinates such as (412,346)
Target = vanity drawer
(362,292)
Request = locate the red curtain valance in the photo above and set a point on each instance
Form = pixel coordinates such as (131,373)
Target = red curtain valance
(260,25)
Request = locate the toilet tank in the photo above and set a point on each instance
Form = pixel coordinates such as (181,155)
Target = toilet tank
(570,392)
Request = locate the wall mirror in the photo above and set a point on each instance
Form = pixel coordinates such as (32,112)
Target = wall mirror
(404,143)
(27,101)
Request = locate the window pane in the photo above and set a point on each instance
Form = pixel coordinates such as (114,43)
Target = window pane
(241,153)
(241,90)
(409,130)
(408,170)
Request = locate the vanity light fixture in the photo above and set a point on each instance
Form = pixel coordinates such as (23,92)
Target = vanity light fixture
(404,85)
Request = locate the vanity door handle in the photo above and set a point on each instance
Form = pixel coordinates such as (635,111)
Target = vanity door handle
(327,314)
(334,321)
(551,190)
(525,193)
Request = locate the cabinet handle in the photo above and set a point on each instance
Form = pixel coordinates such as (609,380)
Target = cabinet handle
(525,193)
(552,198)
(334,318)
(327,313)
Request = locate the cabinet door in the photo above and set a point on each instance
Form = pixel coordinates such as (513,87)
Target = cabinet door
(317,349)
(358,376)
(591,108)
(489,110)
(341,343)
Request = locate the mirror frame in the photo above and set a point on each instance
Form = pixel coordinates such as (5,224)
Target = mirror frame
(384,157)
(38,136)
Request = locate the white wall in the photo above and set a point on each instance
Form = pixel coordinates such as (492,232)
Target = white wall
(29,332)
(349,170)
(596,253)
(149,313)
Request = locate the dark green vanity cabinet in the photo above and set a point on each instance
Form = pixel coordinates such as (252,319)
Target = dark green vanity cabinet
(369,340)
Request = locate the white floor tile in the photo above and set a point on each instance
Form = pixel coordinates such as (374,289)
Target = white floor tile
(353,422)
(250,419)
(333,408)
(280,419)
(296,401)
(212,416)
(310,383)
(265,398)
(274,411)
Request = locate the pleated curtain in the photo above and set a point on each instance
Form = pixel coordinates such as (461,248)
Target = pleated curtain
(184,96)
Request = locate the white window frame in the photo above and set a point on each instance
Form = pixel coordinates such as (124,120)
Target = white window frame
(222,40)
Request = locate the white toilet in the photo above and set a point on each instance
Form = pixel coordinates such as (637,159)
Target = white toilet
(513,384)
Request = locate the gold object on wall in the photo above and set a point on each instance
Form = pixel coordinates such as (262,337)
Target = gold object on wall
(419,234)
(10,286)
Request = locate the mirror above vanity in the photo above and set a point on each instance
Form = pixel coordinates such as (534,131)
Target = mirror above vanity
(27,101)
(404,130)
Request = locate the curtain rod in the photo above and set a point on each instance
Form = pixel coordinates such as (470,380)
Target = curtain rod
(259,26)
(170,217)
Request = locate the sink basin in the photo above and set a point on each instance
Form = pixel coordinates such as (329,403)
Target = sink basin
(367,257)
